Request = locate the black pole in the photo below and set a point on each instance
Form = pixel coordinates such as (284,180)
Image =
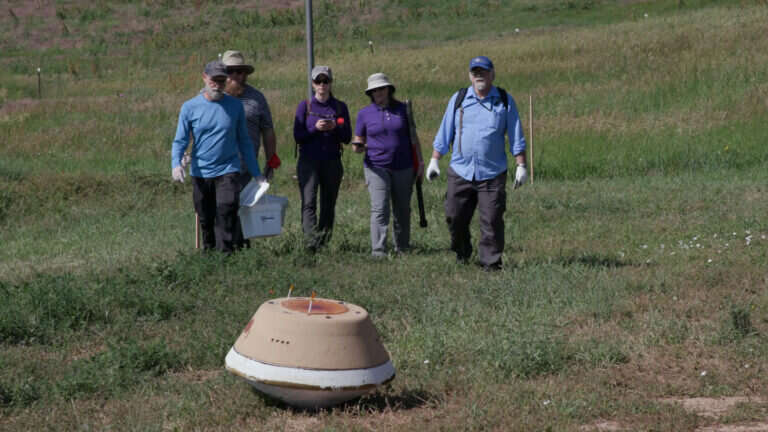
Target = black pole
(39,85)
(310,51)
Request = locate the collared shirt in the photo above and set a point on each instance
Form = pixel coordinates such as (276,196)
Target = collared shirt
(219,132)
(321,145)
(484,124)
(387,136)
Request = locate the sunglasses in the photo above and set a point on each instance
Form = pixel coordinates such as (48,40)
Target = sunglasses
(219,80)
(237,72)
(322,81)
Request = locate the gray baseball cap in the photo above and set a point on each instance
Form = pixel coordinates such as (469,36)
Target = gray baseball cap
(321,70)
(215,69)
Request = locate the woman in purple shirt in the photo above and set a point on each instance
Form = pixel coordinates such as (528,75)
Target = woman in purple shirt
(382,132)
(319,130)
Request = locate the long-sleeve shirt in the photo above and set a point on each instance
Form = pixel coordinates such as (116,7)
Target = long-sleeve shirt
(481,155)
(316,144)
(219,131)
(387,133)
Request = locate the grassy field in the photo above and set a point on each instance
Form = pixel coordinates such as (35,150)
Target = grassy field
(635,284)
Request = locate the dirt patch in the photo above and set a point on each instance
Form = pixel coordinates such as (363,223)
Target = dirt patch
(603,425)
(18,105)
(712,407)
(750,427)
(280,4)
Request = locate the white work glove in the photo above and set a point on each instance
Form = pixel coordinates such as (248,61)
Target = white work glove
(178,174)
(433,170)
(521,176)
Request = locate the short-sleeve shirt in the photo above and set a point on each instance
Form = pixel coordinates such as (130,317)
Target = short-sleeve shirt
(387,136)
(257,115)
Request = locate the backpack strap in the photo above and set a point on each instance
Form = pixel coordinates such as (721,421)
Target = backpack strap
(504,97)
(457,106)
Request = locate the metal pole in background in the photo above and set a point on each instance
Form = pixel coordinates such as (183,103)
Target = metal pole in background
(39,85)
(310,50)
(530,105)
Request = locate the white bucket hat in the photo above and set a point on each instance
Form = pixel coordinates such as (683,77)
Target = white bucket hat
(378,80)
(235,60)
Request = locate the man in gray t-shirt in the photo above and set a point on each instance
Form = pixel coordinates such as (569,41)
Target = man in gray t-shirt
(257,114)
(258,120)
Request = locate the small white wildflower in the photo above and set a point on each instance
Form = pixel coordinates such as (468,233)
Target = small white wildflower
(546,402)
(746,366)
(621,254)
(672,253)
(715,236)
(698,245)
(517,30)
(645,15)
(703,373)
(734,233)
(726,245)
(747,232)
(674,298)
(709,260)
(644,246)
(662,246)
(426,361)
(695,238)
(762,236)
(648,261)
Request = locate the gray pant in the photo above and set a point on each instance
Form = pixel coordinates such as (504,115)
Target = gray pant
(313,175)
(461,199)
(385,185)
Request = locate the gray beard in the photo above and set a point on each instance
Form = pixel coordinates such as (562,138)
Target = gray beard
(213,94)
(481,86)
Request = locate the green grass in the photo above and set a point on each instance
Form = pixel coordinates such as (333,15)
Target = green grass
(635,263)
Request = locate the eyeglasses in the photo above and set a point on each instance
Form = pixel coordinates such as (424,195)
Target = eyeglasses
(322,81)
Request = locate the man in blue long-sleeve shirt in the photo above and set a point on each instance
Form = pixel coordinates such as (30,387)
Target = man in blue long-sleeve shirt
(216,122)
(477,174)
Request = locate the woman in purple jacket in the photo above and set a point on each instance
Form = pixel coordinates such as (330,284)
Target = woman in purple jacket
(383,132)
(319,129)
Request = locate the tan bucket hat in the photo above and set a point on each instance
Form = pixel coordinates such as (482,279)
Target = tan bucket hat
(378,80)
(235,60)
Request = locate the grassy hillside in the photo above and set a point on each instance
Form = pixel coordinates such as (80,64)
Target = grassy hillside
(635,262)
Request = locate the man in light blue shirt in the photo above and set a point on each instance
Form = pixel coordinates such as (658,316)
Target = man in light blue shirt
(216,122)
(476,121)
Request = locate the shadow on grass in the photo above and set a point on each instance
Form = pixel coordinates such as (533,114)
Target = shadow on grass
(373,403)
(588,260)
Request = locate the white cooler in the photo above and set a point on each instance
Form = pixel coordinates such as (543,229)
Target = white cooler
(265,218)
(261,215)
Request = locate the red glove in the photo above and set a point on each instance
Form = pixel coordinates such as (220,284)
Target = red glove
(274,162)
